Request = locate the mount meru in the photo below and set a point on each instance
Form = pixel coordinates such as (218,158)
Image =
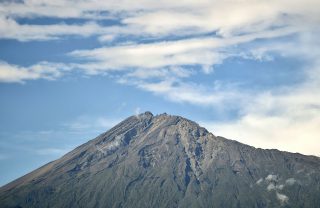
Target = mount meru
(168,161)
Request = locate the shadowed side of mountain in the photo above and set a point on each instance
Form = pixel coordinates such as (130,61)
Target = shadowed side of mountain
(168,161)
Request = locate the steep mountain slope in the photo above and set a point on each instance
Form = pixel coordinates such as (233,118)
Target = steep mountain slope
(168,161)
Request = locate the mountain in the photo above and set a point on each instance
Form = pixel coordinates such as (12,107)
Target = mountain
(168,161)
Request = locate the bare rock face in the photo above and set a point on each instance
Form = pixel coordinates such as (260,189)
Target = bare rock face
(168,161)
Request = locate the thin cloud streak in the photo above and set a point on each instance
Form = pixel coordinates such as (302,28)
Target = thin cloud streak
(156,19)
(197,51)
(42,70)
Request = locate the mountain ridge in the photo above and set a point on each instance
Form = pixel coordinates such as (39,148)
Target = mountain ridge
(171,158)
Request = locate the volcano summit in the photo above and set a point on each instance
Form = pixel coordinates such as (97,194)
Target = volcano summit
(168,161)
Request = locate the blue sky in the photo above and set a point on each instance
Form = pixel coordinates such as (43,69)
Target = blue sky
(69,70)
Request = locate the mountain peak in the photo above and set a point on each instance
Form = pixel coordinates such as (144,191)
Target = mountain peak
(145,114)
(168,161)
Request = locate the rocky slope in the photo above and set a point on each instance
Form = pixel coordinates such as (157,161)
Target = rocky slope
(168,161)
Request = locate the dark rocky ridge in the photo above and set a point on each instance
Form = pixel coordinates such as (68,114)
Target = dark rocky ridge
(168,161)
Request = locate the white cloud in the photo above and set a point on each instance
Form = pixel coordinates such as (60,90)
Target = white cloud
(179,18)
(205,52)
(142,73)
(10,29)
(287,120)
(42,70)
(106,38)
(224,17)
(192,93)
(84,124)
(137,111)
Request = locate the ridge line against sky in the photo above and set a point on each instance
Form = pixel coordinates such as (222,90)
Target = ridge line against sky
(245,69)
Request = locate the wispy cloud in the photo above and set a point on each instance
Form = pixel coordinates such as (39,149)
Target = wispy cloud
(83,124)
(205,52)
(42,70)
(286,119)
(164,17)
(49,142)
(184,92)
(10,29)
(242,22)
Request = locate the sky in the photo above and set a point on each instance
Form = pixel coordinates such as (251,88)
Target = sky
(247,70)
